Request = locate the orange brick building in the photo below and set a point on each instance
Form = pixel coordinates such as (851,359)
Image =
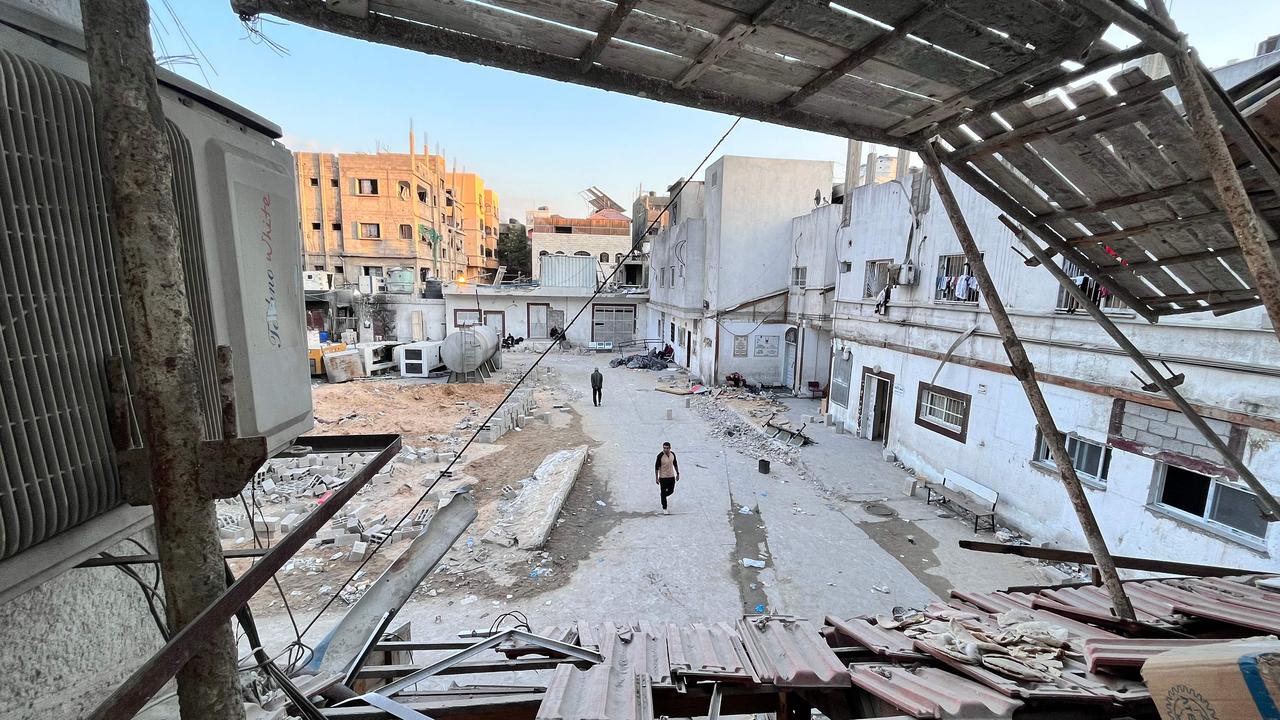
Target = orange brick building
(363,214)
(479,214)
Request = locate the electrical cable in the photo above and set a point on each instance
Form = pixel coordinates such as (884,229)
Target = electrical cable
(448,470)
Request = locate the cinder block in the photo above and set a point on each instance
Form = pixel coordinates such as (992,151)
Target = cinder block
(1163,429)
(1150,412)
(1147,438)
(1136,422)
(1221,427)
(359,551)
(347,539)
(1191,435)
(1129,433)
(265,523)
(1179,447)
(289,522)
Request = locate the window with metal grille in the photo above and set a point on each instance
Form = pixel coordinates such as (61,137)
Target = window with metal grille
(955,282)
(1097,294)
(1091,460)
(877,277)
(798,276)
(943,411)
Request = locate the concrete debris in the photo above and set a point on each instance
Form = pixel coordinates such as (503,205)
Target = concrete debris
(752,563)
(1021,646)
(730,426)
(527,518)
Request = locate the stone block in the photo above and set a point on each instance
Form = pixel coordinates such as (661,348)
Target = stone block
(359,551)
(346,539)
(1192,435)
(1129,433)
(265,523)
(1178,446)
(230,532)
(909,486)
(1136,422)
(1163,429)
(1148,411)
(1147,438)
(289,522)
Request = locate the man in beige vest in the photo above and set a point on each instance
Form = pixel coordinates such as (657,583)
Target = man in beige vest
(666,471)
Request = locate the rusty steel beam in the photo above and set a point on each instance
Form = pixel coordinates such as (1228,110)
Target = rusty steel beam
(432,40)
(127,699)
(1168,567)
(606,32)
(130,127)
(1024,371)
(733,35)
(874,47)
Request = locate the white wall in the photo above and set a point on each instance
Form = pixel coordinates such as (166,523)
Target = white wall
(750,203)
(570,243)
(514,306)
(1230,364)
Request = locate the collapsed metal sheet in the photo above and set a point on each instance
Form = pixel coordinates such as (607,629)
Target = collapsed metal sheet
(932,693)
(619,688)
(519,648)
(640,644)
(789,652)
(710,651)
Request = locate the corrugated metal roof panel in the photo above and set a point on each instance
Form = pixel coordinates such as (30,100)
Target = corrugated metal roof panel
(789,652)
(641,645)
(1132,652)
(708,651)
(604,692)
(932,693)
(577,271)
(890,643)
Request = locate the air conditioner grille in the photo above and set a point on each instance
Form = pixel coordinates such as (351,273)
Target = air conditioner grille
(60,310)
(197,280)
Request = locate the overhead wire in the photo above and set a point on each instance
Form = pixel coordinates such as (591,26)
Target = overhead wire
(447,471)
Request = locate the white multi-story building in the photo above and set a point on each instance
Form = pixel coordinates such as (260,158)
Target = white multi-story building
(605,235)
(918,365)
(719,274)
(806,345)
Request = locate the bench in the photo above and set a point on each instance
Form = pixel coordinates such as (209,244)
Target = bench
(969,495)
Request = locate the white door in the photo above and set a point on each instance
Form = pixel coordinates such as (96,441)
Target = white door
(789,363)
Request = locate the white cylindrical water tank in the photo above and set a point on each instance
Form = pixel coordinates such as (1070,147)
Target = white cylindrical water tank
(469,348)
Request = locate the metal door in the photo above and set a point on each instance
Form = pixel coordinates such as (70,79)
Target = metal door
(613,323)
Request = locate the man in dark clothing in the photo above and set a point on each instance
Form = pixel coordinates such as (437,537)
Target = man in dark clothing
(597,383)
(666,471)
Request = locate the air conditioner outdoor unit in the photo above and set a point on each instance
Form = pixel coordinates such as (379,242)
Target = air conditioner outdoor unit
(235,193)
(317,280)
(904,274)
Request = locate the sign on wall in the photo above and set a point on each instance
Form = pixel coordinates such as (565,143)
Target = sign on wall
(739,345)
(766,346)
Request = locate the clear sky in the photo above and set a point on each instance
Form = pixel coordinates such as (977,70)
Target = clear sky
(535,141)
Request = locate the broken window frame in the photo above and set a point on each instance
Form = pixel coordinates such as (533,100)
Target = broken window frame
(931,398)
(1209,518)
(876,278)
(460,313)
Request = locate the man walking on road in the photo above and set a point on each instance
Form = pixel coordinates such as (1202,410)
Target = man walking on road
(666,471)
(597,383)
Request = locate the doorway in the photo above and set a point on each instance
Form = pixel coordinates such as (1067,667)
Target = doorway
(789,361)
(876,405)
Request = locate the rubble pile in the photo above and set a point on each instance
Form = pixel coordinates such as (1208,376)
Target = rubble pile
(735,432)
(285,490)
(1019,646)
(527,513)
(640,361)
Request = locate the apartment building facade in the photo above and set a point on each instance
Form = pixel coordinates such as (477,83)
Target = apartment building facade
(918,365)
(719,275)
(647,218)
(604,235)
(365,214)
(478,212)
(806,344)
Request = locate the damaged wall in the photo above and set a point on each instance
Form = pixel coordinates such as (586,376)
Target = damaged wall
(1229,363)
(73,639)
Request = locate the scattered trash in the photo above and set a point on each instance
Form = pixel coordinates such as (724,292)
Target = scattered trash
(760,608)
(880,589)
(744,510)
(753,563)
(601,503)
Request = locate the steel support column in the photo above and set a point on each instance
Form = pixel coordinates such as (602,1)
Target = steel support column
(1022,369)
(1267,504)
(129,124)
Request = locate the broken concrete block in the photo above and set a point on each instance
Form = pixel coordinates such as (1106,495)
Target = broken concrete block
(909,487)
(266,523)
(230,532)
(289,522)
(347,539)
(889,456)
(359,551)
